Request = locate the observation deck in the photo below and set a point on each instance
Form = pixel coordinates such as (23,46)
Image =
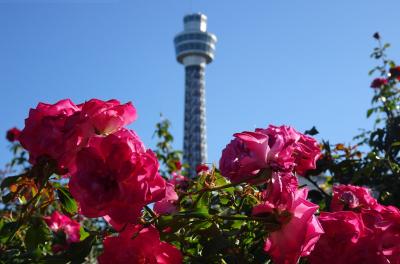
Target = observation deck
(195,41)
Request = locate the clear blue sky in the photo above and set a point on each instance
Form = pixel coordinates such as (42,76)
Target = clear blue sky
(301,63)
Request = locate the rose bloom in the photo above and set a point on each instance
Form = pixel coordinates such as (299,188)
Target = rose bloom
(244,156)
(383,234)
(349,197)
(291,149)
(280,189)
(395,72)
(167,204)
(13,134)
(60,130)
(342,232)
(61,223)
(179,181)
(378,83)
(299,230)
(201,167)
(43,133)
(277,148)
(137,244)
(178,165)
(99,117)
(369,234)
(116,176)
(96,117)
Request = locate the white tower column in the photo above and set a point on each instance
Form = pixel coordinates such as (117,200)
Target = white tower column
(195,49)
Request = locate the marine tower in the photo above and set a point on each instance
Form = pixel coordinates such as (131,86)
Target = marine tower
(195,48)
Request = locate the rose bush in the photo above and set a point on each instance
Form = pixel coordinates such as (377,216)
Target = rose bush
(90,191)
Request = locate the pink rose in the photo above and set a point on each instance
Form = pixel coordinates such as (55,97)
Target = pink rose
(167,204)
(179,181)
(118,226)
(299,230)
(137,244)
(280,190)
(96,117)
(43,133)
(281,142)
(59,131)
(291,149)
(106,117)
(306,153)
(349,197)
(116,176)
(395,72)
(383,233)
(277,148)
(371,235)
(13,134)
(178,165)
(342,232)
(201,167)
(61,223)
(244,156)
(378,83)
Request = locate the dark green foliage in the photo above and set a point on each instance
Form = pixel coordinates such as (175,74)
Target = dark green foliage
(373,160)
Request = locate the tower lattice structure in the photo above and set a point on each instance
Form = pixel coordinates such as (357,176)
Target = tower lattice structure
(195,48)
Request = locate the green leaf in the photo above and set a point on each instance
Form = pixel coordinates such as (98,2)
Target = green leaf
(198,213)
(76,253)
(36,235)
(387,45)
(79,251)
(370,112)
(67,202)
(7,230)
(371,71)
(83,233)
(237,224)
(395,144)
(216,245)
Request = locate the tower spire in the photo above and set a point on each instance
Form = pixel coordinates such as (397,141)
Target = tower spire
(195,48)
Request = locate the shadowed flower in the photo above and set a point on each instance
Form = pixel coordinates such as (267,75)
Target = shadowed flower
(116,176)
(349,197)
(69,228)
(299,228)
(137,244)
(167,204)
(395,73)
(13,134)
(378,83)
